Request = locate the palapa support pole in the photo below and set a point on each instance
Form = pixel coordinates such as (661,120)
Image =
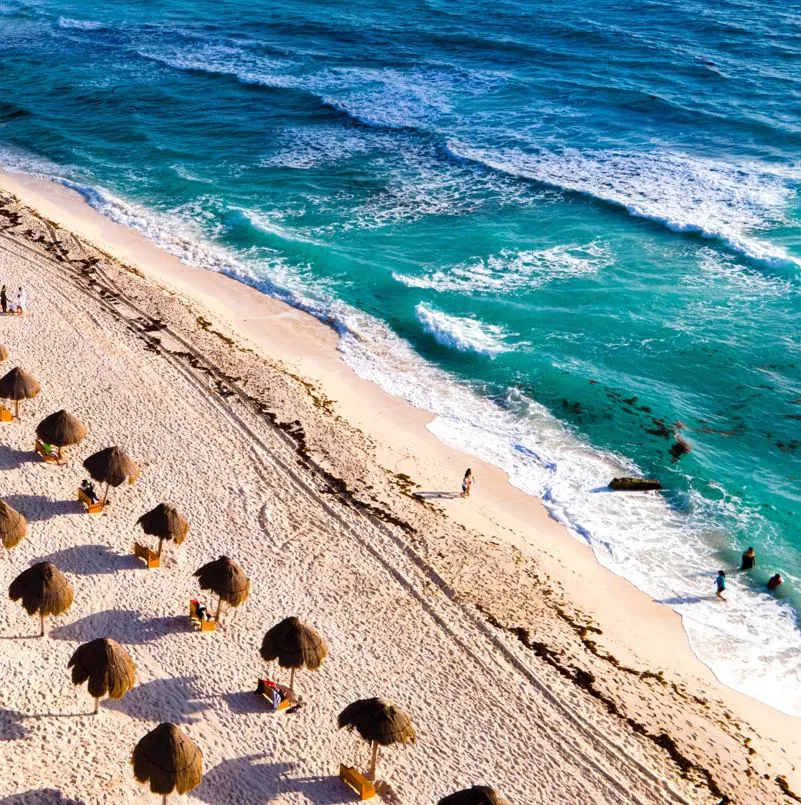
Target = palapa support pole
(41,624)
(164,800)
(219,609)
(161,543)
(97,705)
(105,494)
(16,408)
(373,761)
(292,680)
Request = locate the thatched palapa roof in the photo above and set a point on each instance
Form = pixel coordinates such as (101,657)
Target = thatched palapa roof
(106,664)
(18,385)
(165,522)
(168,759)
(294,644)
(477,795)
(12,526)
(43,588)
(226,578)
(61,429)
(379,721)
(111,466)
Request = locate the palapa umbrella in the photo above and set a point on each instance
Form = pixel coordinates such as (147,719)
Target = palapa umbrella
(61,429)
(108,667)
(43,588)
(295,645)
(165,522)
(477,795)
(111,467)
(169,760)
(378,721)
(226,578)
(12,526)
(18,385)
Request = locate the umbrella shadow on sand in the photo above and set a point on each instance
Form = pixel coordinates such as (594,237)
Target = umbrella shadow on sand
(51,796)
(245,774)
(84,560)
(126,626)
(246,702)
(11,726)
(38,507)
(174,699)
(11,459)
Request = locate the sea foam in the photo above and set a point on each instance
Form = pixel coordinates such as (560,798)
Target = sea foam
(713,199)
(80,25)
(513,270)
(463,333)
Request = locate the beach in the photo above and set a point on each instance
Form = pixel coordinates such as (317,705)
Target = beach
(523,663)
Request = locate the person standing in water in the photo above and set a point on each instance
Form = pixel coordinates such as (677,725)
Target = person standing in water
(749,560)
(4,300)
(467,482)
(720,584)
(775,581)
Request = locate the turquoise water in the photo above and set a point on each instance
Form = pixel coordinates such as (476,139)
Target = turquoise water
(570,230)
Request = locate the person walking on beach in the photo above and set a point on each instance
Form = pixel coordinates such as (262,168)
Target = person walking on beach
(3,300)
(749,560)
(720,584)
(22,301)
(467,482)
(775,581)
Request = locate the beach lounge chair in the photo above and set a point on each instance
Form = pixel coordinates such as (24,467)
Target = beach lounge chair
(45,454)
(91,508)
(354,779)
(269,690)
(152,559)
(5,414)
(205,626)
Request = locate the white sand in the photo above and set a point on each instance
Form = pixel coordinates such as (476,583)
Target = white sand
(397,605)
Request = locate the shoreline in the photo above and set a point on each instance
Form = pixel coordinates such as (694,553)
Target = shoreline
(635,629)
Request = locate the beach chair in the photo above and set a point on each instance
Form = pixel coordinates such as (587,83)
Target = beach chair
(91,508)
(205,626)
(267,689)
(5,414)
(46,456)
(152,559)
(354,779)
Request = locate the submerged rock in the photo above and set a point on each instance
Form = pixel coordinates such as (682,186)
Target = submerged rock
(634,484)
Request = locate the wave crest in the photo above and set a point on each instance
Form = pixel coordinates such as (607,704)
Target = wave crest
(514,270)
(463,333)
(713,199)
(69,23)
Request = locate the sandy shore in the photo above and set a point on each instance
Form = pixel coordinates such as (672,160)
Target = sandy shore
(524,664)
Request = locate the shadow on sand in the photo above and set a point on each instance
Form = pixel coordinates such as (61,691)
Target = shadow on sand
(84,560)
(11,459)
(11,727)
(125,626)
(436,495)
(38,507)
(42,796)
(172,699)
(242,775)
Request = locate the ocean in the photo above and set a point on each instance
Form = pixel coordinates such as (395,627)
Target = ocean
(571,231)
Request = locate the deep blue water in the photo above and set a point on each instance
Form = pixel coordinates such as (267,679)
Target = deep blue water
(570,230)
